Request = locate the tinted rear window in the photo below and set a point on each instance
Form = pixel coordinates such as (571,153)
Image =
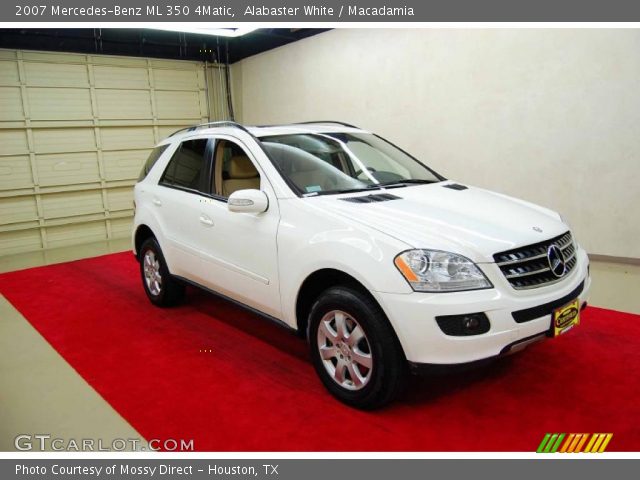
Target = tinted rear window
(187,166)
(151,161)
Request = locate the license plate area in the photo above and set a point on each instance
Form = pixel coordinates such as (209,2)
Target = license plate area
(565,318)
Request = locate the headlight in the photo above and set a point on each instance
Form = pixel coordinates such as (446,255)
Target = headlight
(436,271)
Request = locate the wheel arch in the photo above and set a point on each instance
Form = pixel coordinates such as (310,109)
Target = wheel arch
(143,232)
(316,283)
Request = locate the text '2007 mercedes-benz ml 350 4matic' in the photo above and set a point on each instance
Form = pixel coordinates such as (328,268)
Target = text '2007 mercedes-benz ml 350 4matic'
(383,265)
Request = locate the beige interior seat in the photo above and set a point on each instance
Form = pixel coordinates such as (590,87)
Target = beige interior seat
(242,175)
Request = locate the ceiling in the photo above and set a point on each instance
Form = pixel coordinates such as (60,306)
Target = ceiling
(152,43)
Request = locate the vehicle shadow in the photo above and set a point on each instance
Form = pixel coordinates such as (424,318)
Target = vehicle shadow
(275,334)
(431,386)
(421,389)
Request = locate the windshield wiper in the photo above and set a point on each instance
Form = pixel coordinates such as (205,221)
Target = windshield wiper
(375,186)
(405,182)
(346,190)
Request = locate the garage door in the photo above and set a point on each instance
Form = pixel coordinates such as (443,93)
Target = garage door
(74,132)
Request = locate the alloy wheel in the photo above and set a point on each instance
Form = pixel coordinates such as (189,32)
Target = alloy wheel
(152,275)
(344,350)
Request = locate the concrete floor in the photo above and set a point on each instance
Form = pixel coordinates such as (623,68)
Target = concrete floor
(40,393)
(615,286)
(10,263)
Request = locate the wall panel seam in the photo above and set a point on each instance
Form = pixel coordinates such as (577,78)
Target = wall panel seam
(30,145)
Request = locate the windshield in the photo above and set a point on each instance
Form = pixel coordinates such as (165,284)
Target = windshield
(322,163)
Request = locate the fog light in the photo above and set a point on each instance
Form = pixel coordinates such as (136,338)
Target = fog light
(464,325)
(471,323)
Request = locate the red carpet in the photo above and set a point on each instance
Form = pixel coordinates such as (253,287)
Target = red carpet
(257,391)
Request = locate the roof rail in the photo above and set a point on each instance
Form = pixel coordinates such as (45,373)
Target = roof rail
(327,121)
(229,123)
(315,122)
(221,123)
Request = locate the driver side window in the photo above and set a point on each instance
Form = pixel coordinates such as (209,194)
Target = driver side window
(233,169)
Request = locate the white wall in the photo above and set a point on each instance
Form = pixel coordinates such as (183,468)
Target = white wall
(548,115)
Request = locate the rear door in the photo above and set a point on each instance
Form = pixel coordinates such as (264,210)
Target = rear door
(178,198)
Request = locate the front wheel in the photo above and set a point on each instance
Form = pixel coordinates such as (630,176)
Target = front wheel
(355,350)
(160,286)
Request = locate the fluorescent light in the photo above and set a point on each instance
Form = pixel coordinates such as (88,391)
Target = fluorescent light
(218,32)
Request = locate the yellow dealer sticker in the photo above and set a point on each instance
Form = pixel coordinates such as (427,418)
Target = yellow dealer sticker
(566,317)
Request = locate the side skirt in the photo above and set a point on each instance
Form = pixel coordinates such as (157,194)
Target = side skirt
(244,306)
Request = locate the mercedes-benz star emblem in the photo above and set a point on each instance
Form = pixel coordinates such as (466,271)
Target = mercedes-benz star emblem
(556,261)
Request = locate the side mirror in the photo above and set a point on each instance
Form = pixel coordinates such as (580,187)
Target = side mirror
(248,201)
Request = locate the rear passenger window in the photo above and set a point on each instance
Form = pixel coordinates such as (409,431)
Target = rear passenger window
(151,161)
(187,167)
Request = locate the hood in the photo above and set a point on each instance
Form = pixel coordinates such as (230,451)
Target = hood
(472,222)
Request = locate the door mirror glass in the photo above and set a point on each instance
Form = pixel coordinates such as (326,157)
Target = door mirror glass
(248,201)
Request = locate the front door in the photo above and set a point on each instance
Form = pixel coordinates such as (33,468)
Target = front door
(239,249)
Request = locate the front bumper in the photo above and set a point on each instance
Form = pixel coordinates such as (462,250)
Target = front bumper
(413,316)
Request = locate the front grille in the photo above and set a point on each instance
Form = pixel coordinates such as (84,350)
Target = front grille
(528,267)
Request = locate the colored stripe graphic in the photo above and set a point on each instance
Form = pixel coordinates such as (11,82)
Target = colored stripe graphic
(582,442)
(590,444)
(600,443)
(567,442)
(550,443)
(574,443)
(596,446)
(543,443)
(557,444)
(607,439)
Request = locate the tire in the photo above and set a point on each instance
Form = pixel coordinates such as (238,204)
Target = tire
(342,361)
(161,287)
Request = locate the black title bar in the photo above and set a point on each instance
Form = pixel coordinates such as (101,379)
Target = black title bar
(232,11)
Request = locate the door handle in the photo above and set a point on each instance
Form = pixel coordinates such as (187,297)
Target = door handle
(206,221)
(157,202)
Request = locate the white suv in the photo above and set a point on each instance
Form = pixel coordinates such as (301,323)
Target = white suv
(381,263)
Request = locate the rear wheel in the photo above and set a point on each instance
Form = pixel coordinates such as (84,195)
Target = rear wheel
(355,350)
(160,286)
